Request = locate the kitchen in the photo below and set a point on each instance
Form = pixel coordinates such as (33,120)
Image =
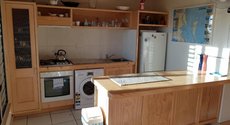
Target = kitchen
(116,42)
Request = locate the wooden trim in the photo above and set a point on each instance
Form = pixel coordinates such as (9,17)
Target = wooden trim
(135,92)
(37,59)
(208,122)
(152,25)
(153,12)
(199,103)
(97,27)
(86,9)
(56,104)
(225,123)
(18,2)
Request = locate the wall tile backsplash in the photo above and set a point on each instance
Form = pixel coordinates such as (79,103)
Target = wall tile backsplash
(86,43)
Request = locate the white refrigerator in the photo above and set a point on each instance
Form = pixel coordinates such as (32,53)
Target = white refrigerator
(152,51)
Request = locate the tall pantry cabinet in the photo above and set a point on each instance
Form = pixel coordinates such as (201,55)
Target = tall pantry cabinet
(19,30)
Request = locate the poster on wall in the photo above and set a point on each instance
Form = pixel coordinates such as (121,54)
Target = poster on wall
(193,25)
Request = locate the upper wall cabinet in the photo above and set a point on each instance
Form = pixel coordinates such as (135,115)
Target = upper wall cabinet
(85,17)
(54,16)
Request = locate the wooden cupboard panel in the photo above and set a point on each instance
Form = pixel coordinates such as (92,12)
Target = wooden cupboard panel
(157,109)
(186,105)
(54,21)
(125,111)
(25,94)
(24,90)
(211,97)
(118,70)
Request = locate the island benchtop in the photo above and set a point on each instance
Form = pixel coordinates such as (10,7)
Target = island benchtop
(178,80)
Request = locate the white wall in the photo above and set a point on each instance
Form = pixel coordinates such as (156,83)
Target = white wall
(178,52)
(86,43)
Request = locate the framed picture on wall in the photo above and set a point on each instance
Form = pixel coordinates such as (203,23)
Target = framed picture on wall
(193,25)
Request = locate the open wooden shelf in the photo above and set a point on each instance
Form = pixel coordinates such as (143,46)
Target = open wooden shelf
(96,18)
(50,20)
(152,25)
(46,15)
(153,18)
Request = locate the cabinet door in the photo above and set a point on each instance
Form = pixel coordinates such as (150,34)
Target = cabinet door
(21,53)
(210,103)
(157,109)
(125,111)
(186,105)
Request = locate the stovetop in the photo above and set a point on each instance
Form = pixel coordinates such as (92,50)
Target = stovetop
(55,62)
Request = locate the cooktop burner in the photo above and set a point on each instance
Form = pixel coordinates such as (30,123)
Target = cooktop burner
(55,62)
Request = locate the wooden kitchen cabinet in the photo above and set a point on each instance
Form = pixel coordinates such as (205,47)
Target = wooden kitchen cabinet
(54,16)
(119,69)
(21,56)
(180,105)
(210,103)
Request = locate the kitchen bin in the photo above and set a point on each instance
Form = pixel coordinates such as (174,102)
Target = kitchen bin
(91,116)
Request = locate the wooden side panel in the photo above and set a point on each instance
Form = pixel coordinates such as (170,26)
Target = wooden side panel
(211,97)
(157,109)
(186,105)
(125,111)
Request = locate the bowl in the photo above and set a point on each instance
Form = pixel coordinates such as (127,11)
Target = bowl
(52,14)
(123,7)
(70,3)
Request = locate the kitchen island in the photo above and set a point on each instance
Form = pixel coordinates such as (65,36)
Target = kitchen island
(185,99)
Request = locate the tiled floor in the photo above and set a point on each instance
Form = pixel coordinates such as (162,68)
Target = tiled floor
(63,117)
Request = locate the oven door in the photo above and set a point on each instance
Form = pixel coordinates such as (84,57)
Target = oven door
(56,88)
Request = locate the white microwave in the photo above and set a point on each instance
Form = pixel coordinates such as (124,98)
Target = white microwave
(57,86)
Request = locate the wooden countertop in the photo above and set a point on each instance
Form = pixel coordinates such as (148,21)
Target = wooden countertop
(178,79)
(78,66)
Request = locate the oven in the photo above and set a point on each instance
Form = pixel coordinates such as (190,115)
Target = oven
(57,86)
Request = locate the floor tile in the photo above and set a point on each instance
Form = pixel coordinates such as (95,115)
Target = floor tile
(61,116)
(43,119)
(79,122)
(20,121)
(67,123)
(77,114)
(60,111)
